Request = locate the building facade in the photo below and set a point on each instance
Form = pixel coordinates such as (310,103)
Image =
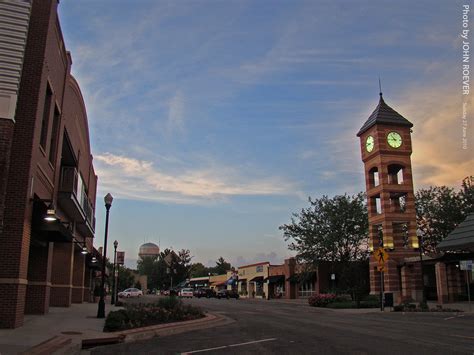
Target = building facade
(46,167)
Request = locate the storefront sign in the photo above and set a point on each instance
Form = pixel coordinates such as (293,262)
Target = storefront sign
(465,265)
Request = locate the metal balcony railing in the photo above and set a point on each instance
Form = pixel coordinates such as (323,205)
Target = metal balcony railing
(71,182)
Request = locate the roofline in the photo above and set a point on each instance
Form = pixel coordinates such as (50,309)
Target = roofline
(262,263)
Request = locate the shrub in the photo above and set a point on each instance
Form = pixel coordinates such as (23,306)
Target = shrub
(141,315)
(321,300)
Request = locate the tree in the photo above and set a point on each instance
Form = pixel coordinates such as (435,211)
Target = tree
(440,209)
(335,230)
(198,270)
(125,278)
(331,229)
(221,267)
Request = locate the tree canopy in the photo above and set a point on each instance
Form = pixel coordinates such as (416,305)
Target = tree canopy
(440,209)
(331,229)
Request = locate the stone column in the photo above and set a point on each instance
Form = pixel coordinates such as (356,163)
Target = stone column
(61,275)
(78,277)
(39,279)
(87,285)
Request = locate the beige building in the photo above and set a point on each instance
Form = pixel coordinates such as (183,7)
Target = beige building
(251,280)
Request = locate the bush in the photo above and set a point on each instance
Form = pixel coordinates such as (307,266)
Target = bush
(321,300)
(165,310)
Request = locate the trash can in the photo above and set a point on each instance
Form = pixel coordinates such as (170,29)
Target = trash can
(388,299)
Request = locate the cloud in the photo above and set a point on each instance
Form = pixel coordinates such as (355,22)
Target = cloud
(438,156)
(140,179)
(271,257)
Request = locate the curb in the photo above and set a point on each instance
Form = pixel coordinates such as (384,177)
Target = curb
(144,333)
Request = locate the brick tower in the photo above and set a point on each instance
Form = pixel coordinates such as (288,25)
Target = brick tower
(385,142)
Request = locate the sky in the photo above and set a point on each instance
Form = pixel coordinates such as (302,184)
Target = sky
(211,122)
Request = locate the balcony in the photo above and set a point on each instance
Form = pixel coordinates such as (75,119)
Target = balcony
(74,201)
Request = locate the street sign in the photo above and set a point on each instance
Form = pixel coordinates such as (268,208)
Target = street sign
(465,265)
(381,268)
(381,256)
(120,257)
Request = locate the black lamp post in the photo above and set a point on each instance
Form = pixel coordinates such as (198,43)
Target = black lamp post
(113,273)
(101,309)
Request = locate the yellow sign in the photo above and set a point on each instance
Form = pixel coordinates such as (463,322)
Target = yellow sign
(381,256)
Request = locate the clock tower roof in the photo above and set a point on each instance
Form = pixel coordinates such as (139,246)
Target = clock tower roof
(384,114)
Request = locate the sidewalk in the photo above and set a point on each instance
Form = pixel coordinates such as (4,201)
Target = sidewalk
(76,322)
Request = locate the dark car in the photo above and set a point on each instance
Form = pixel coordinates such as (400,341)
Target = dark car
(204,292)
(227,294)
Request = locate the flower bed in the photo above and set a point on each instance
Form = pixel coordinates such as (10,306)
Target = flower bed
(331,300)
(166,310)
(321,300)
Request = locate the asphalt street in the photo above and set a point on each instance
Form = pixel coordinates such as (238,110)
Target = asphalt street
(272,327)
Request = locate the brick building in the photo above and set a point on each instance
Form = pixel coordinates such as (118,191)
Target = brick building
(45,167)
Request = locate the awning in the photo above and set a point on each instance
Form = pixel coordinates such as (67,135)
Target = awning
(219,283)
(257,279)
(306,276)
(232,281)
(276,279)
(53,232)
(461,238)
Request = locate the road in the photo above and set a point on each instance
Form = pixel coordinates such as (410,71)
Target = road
(273,327)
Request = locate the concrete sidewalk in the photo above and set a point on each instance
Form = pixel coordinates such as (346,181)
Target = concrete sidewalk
(76,322)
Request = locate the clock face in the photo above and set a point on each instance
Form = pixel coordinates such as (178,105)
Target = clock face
(394,140)
(369,143)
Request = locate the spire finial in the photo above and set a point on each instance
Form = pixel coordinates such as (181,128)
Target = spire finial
(380,88)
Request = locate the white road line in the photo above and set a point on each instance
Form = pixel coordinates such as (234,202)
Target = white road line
(228,346)
(462,336)
(449,318)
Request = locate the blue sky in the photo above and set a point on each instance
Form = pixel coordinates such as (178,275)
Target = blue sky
(212,121)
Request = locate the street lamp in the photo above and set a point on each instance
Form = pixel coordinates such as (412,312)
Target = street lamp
(113,273)
(101,309)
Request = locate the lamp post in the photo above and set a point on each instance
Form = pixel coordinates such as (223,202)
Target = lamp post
(113,273)
(101,309)
(419,235)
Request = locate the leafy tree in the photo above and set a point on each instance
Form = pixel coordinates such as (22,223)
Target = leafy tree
(221,267)
(440,209)
(125,278)
(331,229)
(198,270)
(335,230)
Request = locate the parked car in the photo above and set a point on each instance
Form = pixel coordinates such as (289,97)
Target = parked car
(227,294)
(204,292)
(131,292)
(186,292)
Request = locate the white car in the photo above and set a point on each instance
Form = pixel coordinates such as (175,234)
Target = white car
(131,292)
(186,292)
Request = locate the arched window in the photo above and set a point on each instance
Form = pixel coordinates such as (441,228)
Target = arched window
(374,177)
(395,174)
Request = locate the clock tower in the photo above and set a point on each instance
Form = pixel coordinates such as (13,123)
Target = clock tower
(385,142)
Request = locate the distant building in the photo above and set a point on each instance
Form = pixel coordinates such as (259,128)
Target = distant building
(149,250)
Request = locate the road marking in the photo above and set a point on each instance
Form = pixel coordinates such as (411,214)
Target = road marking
(228,346)
(461,336)
(458,316)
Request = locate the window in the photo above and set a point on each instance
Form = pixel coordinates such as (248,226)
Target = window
(374,177)
(54,137)
(46,114)
(395,174)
